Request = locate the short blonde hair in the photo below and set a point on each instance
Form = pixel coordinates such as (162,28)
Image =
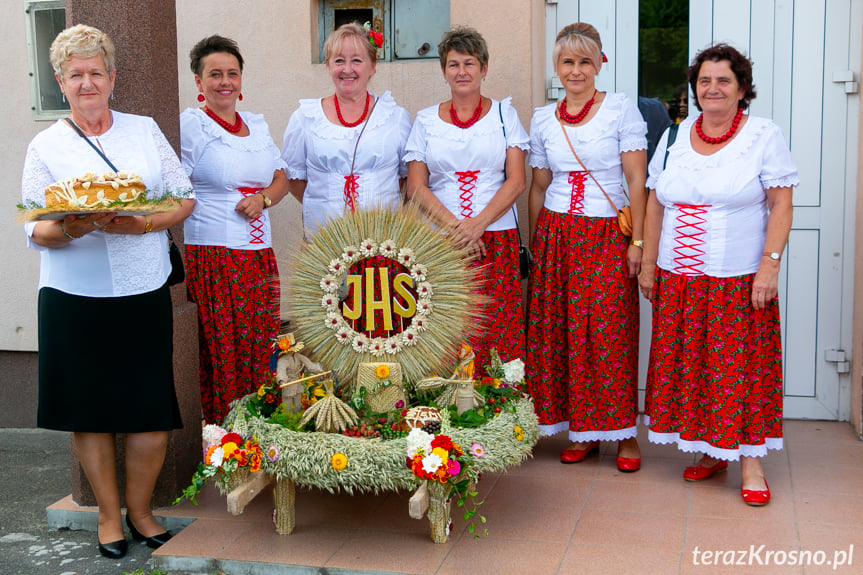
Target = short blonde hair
(81,41)
(349,30)
(580,38)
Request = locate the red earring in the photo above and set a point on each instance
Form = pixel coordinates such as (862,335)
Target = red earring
(201,97)
(241,96)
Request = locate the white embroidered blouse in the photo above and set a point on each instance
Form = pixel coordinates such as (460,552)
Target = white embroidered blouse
(224,168)
(616,127)
(320,152)
(715,209)
(466,166)
(100,264)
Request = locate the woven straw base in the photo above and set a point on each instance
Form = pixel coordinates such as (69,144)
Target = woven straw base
(284,498)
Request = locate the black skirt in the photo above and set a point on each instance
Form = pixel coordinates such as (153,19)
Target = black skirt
(105,364)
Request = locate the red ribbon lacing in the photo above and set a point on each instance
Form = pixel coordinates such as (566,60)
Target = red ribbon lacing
(352,193)
(689,233)
(576,195)
(467,184)
(256,233)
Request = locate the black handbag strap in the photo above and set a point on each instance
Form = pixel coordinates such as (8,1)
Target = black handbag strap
(672,135)
(92,145)
(503,127)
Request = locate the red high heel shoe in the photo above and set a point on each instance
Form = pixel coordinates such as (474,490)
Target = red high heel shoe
(756,498)
(700,472)
(576,455)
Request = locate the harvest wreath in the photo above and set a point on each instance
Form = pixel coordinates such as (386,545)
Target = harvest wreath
(377,316)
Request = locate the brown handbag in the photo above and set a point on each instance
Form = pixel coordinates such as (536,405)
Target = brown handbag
(624,215)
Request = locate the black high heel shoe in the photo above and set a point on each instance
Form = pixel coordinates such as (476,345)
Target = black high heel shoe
(114,549)
(153,542)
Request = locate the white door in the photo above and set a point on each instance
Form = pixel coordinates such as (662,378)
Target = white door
(806,63)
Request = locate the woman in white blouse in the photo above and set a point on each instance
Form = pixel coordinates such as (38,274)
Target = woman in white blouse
(582,357)
(232,274)
(717,224)
(105,320)
(466,169)
(343,152)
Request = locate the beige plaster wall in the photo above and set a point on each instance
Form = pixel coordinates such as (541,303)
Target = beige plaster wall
(19,266)
(280,69)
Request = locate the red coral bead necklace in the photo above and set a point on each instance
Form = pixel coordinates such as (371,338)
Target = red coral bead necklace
(735,124)
(342,119)
(474,118)
(569,118)
(232,128)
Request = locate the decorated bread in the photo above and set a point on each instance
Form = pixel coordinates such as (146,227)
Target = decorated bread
(91,191)
(419,416)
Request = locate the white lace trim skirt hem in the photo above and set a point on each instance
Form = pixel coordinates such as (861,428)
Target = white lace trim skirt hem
(688,446)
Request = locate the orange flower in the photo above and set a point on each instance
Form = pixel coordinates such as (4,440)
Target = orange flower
(284,344)
(339,461)
(382,371)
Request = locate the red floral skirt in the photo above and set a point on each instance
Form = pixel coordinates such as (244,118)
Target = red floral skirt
(237,293)
(714,384)
(502,323)
(582,334)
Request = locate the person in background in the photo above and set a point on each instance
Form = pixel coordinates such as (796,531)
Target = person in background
(105,319)
(717,224)
(582,355)
(655,114)
(466,170)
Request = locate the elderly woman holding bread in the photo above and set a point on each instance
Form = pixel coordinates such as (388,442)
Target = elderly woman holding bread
(105,320)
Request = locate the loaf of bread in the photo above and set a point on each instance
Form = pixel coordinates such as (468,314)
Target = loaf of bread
(91,191)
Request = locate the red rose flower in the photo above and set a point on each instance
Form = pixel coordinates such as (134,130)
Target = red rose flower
(232,438)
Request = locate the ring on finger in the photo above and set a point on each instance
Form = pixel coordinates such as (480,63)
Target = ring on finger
(96,224)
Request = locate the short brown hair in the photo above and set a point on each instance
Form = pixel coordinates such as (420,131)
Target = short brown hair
(741,66)
(349,30)
(464,40)
(214,44)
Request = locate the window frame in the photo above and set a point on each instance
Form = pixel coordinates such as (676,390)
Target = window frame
(31,7)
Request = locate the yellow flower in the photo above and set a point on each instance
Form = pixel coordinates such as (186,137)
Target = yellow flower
(382,371)
(518,431)
(442,453)
(261,392)
(519,437)
(339,461)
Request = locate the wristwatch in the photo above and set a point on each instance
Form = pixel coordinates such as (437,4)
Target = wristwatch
(267,201)
(148,224)
(637,243)
(772,255)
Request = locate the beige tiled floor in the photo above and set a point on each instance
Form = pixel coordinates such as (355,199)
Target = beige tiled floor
(544,517)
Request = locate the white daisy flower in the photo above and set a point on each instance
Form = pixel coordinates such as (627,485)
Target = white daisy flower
(409,337)
(420,323)
(424,307)
(388,249)
(329,284)
(369,247)
(336,266)
(333,321)
(377,346)
(330,301)
(344,335)
(360,343)
(418,272)
(394,345)
(350,255)
(424,290)
(406,257)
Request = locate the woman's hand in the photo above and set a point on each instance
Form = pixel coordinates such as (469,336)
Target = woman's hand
(81,225)
(647,280)
(251,206)
(126,225)
(765,286)
(469,232)
(476,250)
(633,260)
